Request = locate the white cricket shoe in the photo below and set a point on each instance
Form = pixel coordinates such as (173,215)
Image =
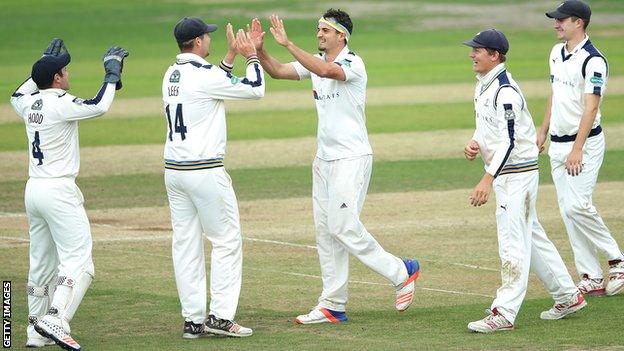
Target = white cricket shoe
(491,323)
(57,329)
(616,278)
(322,315)
(405,291)
(560,310)
(226,327)
(591,287)
(35,339)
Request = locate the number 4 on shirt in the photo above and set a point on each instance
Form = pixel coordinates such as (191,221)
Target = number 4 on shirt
(178,125)
(36,150)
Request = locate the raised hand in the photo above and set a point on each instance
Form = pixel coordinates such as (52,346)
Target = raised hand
(244,45)
(231,40)
(55,48)
(113,65)
(278,30)
(256,34)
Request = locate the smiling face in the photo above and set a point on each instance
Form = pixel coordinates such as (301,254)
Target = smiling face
(482,60)
(329,39)
(568,28)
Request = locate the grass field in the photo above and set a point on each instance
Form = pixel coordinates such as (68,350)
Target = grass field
(419,116)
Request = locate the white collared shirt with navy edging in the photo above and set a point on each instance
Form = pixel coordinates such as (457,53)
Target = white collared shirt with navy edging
(504,127)
(340,108)
(51,117)
(573,74)
(193,93)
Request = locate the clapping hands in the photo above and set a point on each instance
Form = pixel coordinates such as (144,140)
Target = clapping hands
(242,42)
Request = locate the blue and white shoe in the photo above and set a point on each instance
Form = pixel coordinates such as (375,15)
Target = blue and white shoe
(322,315)
(405,291)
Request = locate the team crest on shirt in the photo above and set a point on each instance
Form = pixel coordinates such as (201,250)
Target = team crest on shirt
(509,114)
(346,62)
(174,77)
(234,80)
(78,101)
(37,105)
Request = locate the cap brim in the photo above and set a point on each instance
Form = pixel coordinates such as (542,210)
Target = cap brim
(211,28)
(473,44)
(59,61)
(557,15)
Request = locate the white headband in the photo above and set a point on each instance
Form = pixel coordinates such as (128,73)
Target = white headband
(337,26)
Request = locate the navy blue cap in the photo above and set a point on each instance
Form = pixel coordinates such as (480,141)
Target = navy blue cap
(571,8)
(44,69)
(490,39)
(190,28)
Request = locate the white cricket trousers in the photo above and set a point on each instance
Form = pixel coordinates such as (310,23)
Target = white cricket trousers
(338,191)
(523,244)
(203,202)
(60,246)
(587,232)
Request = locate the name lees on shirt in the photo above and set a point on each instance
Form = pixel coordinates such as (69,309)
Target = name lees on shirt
(173,90)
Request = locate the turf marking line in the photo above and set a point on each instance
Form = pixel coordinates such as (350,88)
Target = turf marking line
(163,238)
(23,240)
(309,275)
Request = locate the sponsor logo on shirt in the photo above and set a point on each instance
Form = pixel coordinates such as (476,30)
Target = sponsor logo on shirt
(490,120)
(597,81)
(569,83)
(330,96)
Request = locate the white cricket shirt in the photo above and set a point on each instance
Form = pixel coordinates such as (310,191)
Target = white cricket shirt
(340,106)
(504,127)
(193,93)
(574,74)
(51,117)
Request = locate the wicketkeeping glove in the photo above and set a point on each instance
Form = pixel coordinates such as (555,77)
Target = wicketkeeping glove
(55,48)
(113,65)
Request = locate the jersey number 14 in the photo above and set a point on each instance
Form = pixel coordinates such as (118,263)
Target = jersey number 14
(178,125)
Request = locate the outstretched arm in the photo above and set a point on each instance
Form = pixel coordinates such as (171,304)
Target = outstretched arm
(83,109)
(313,64)
(270,64)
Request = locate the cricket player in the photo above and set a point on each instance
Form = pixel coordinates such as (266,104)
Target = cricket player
(342,167)
(201,197)
(578,74)
(61,267)
(505,136)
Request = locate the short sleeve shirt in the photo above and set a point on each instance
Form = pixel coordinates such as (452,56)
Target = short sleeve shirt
(572,75)
(340,107)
